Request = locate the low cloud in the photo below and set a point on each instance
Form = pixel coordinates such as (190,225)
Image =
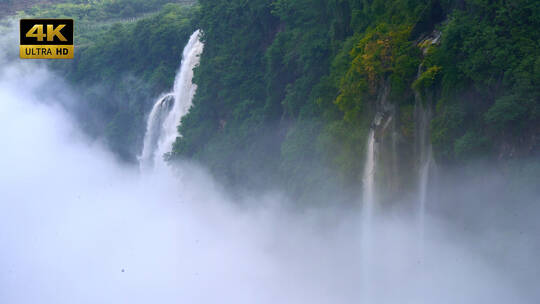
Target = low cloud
(78,227)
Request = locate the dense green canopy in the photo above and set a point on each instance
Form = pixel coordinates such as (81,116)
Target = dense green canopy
(287,88)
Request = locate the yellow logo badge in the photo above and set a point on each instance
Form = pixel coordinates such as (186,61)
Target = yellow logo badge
(46,38)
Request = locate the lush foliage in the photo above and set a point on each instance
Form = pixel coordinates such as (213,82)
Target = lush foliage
(277,79)
(121,65)
(488,60)
(294,83)
(287,89)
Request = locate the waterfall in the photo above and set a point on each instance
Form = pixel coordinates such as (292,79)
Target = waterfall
(368,178)
(395,163)
(161,128)
(424,153)
(159,112)
(368,202)
(425,160)
(368,206)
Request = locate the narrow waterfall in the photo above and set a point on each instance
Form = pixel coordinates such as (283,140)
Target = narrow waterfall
(161,129)
(368,178)
(425,160)
(395,163)
(368,207)
(423,148)
(368,202)
(159,112)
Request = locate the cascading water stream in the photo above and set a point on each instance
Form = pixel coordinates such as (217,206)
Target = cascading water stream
(161,129)
(425,157)
(368,201)
(426,161)
(368,179)
(368,208)
(159,112)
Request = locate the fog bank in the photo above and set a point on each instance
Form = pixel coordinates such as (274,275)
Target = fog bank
(78,227)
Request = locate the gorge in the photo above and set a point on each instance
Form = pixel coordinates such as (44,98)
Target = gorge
(273,152)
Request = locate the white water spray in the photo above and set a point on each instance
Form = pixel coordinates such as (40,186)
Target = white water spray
(368,206)
(153,130)
(78,227)
(161,129)
(426,162)
(368,178)
(425,157)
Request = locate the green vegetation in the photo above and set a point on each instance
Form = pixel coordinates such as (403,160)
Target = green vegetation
(93,18)
(295,83)
(489,66)
(122,65)
(294,86)
(287,89)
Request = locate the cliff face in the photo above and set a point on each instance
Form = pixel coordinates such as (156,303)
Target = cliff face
(402,129)
(290,89)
